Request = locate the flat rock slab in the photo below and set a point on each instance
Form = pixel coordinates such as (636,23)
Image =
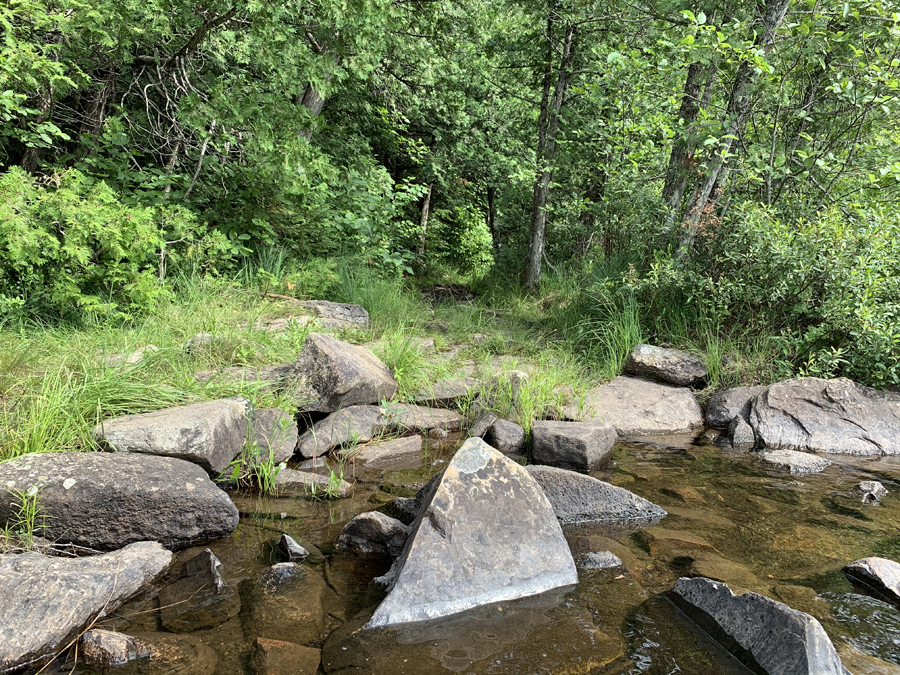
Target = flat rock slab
(107,500)
(766,636)
(210,434)
(409,418)
(405,452)
(837,416)
(577,446)
(577,498)
(362,423)
(274,433)
(291,483)
(486,534)
(724,406)
(157,653)
(45,602)
(666,365)
(635,406)
(879,577)
(448,392)
(373,533)
(798,463)
(340,374)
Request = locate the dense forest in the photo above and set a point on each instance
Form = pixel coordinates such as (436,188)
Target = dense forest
(718,168)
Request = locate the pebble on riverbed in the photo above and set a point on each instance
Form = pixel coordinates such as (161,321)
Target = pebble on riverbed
(871,491)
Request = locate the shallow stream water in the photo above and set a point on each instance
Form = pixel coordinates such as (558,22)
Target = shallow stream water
(730,517)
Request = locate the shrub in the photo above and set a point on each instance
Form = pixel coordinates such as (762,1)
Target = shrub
(68,245)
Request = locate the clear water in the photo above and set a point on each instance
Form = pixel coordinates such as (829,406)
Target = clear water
(731,517)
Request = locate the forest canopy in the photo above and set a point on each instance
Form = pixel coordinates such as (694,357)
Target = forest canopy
(735,162)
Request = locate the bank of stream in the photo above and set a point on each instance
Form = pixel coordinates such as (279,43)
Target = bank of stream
(731,517)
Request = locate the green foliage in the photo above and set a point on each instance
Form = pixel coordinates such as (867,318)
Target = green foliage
(27,521)
(69,246)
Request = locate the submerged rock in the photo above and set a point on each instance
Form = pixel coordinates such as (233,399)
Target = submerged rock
(798,463)
(102,648)
(837,416)
(106,500)
(373,533)
(486,533)
(199,598)
(635,406)
(277,657)
(210,434)
(45,602)
(871,491)
(724,406)
(766,636)
(879,577)
(577,446)
(577,498)
(666,365)
(275,606)
(341,374)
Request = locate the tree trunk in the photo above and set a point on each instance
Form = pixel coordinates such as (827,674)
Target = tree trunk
(423,227)
(594,191)
(490,216)
(548,128)
(718,167)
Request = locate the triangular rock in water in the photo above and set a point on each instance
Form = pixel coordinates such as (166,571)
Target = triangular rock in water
(486,533)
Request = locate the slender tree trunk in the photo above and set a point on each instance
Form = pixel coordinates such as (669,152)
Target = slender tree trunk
(490,216)
(548,128)
(423,227)
(595,189)
(718,168)
(45,104)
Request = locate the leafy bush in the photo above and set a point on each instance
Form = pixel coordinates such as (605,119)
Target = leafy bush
(68,245)
(828,289)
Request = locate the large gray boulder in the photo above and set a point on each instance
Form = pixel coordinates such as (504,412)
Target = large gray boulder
(577,498)
(107,500)
(274,433)
(666,365)
(577,446)
(373,533)
(486,534)
(337,314)
(724,406)
(878,577)
(635,406)
(46,602)
(210,434)
(766,636)
(340,374)
(837,416)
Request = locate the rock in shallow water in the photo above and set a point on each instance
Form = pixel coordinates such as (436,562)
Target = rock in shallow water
(576,446)
(277,657)
(291,550)
(577,498)
(200,598)
(107,500)
(45,602)
(157,653)
(373,533)
(767,636)
(879,577)
(798,463)
(286,602)
(666,365)
(211,433)
(486,533)
(291,483)
(724,406)
(870,491)
(819,415)
(599,560)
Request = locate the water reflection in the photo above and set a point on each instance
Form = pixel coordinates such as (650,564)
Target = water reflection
(461,640)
